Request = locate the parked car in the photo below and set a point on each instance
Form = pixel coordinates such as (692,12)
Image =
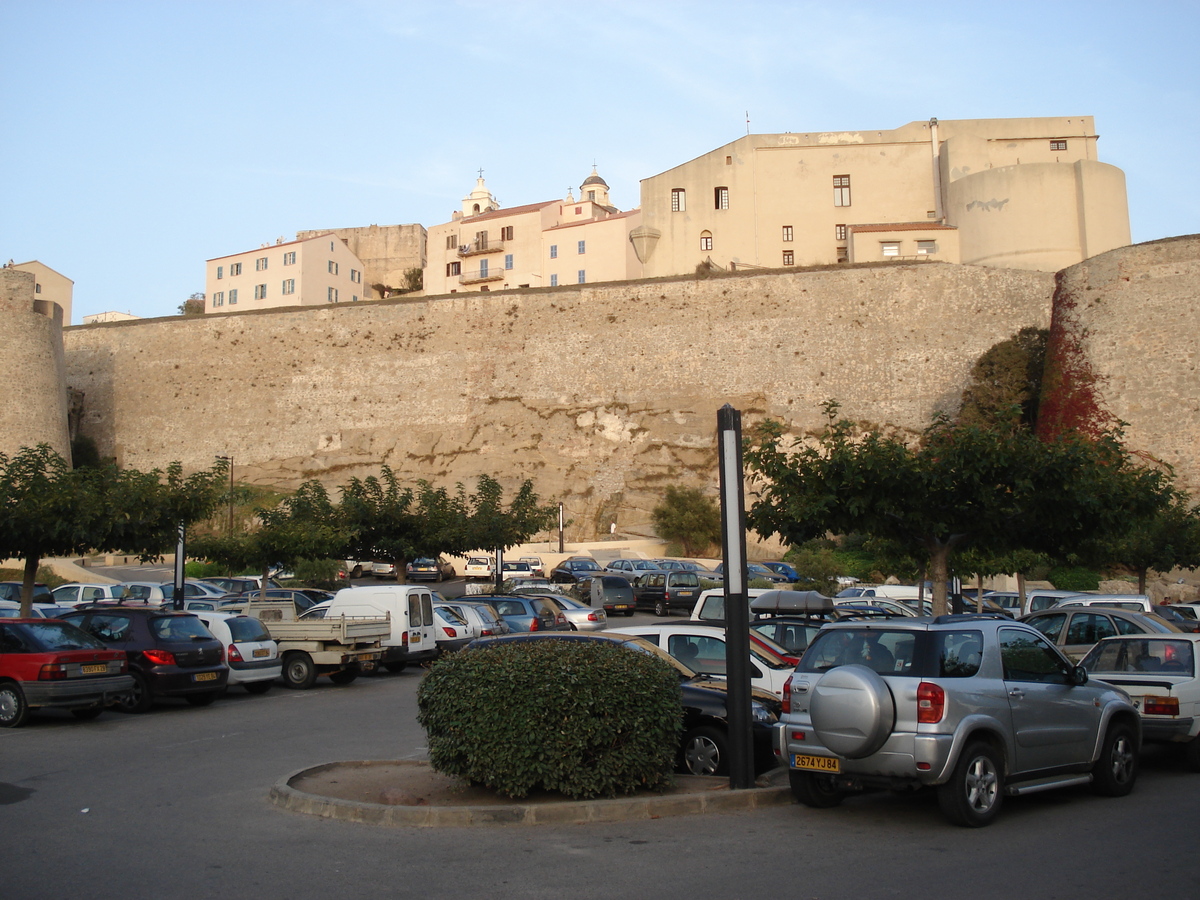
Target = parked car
(612,593)
(1075,629)
(1036,600)
(451,631)
(145,592)
(240,584)
(11,590)
(192,590)
(479,615)
(251,654)
(48,663)
(887,605)
(515,568)
(1160,674)
(1176,617)
(413,634)
(756,571)
(75,594)
(667,591)
(171,654)
(479,567)
(11,609)
(575,569)
(976,706)
(536,566)
(354,568)
(702,648)
(1132,602)
(781,568)
(382,568)
(632,569)
(527,613)
(580,616)
(704,746)
(426,568)
(301,599)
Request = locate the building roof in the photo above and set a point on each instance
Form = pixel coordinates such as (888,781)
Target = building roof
(510,211)
(904,226)
(593,179)
(578,223)
(315,237)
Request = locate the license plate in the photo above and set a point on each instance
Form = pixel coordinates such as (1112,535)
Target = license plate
(414,639)
(93,670)
(205,676)
(817,763)
(261,652)
(621,606)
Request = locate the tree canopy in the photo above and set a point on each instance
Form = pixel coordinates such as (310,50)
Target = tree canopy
(687,517)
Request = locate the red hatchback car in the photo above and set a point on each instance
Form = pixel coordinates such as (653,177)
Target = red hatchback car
(45,662)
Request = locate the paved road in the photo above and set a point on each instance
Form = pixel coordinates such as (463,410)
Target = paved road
(173,804)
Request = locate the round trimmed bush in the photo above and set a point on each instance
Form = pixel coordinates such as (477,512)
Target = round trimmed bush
(587,718)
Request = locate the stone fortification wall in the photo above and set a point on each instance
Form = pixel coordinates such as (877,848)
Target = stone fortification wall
(603,394)
(31,368)
(1127,329)
(386,251)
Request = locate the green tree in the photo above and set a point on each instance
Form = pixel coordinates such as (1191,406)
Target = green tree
(413,279)
(962,485)
(192,306)
(489,525)
(1165,539)
(1006,382)
(687,517)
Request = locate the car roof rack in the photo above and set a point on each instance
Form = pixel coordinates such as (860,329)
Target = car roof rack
(951,618)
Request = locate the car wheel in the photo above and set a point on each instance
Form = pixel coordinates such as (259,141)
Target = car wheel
(139,699)
(628,613)
(345,676)
(817,791)
(14,711)
(661,608)
(86,713)
(257,687)
(205,699)
(1116,769)
(973,795)
(706,751)
(395,666)
(356,572)
(299,672)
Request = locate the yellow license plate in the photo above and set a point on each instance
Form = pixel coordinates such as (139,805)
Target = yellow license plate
(205,676)
(817,763)
(93,670)
(262,651)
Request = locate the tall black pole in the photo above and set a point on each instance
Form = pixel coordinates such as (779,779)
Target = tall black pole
(180,560)
(737,608)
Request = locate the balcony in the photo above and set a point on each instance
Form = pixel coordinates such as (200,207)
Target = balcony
(477,247)
(477,276)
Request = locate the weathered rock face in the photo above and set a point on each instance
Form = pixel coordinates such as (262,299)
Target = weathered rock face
(602,394)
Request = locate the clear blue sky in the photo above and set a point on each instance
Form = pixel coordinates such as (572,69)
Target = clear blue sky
(142,138)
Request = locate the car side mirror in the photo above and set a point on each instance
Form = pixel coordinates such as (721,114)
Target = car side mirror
(1079,676)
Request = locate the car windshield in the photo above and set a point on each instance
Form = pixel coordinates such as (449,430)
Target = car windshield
(1132,655)
(885,651)
(245,629)
(62,636)
(179,628)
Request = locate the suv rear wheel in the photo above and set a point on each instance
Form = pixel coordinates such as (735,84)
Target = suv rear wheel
(1116,769)
(974,793)
(817,791)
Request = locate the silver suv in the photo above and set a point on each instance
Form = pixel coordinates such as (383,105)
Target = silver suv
(978,706)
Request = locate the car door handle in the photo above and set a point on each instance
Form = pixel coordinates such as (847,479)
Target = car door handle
(1017,694)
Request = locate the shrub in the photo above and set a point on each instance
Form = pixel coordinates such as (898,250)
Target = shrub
(1074,579)
(585,718)
(197,569)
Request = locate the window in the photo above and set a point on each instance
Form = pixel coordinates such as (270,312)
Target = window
(1027,657)
(331,246)
(841,190)
(289,286)
(582,276)
(260,264)
(592,196)
(260,292)
(553,281)
(729,160)
(1088,628)
(332,295)
(508,260)
(333,267)
(706,240)
(839,232)
(220,271)
(506,233)
(289,258)
(219,298)
(233,297)
(235,269)
(452,242)
(354,298)
(787,232)
(926,248)
(579,210)
(789,258)
(554,251)
(721,198)
(356,276)
(678,200)
(1058,145)
(583,246)
(454,268)
(483,268)
(890,248)
(959,653)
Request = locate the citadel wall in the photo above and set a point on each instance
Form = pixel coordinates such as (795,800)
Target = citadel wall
(601,393)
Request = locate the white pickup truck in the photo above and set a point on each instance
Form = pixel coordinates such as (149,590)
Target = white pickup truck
(340,647)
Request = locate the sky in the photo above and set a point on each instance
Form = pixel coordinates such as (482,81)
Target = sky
(143,138)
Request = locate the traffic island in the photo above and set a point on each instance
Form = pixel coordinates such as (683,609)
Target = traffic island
(411,793)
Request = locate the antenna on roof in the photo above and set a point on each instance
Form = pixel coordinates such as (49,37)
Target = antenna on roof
(747,121)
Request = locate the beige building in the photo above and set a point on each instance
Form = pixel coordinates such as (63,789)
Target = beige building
(311,272)
(555,242)
(1018,193)
(387,253)
(111,316)
(49,286)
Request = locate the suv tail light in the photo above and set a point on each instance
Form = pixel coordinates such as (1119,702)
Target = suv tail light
(234,655)
(787,696)
(931,703)
(535,625)
(52,672)
(160,657)
(1152,706)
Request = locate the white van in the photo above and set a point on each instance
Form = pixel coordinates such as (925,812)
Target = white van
(414,635)
(1132,602)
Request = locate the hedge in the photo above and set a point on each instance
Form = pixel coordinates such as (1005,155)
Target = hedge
(586,718)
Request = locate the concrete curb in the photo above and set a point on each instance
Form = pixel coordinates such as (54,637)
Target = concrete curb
(568,812)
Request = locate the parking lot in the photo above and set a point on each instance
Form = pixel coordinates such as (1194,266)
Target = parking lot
(174,803)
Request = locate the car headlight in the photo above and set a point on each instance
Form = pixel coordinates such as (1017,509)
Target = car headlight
(760,713)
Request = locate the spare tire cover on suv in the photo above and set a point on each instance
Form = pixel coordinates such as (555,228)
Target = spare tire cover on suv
(852,711)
